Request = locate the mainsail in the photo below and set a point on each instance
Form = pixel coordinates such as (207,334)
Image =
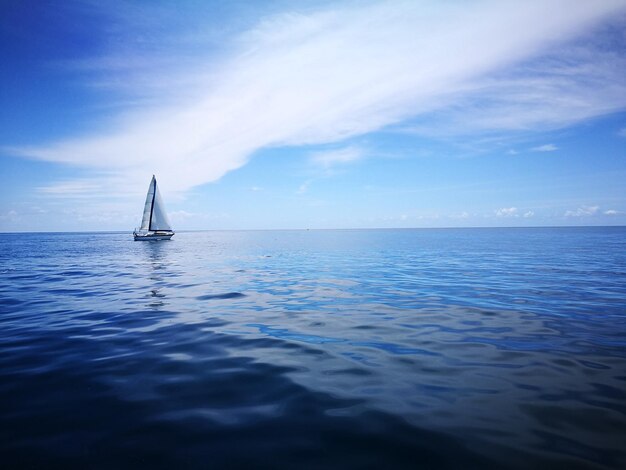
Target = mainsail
(154,215)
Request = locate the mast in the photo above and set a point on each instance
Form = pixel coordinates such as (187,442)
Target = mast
(152,205)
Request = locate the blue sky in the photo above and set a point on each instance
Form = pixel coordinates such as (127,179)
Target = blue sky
(277,114)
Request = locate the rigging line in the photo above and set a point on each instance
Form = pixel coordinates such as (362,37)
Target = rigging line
(152,206)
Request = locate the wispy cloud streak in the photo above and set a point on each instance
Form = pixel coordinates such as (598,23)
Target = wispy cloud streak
(331,158)
(324,76)
(545,148)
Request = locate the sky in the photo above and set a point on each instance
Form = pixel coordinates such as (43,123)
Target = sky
(312,114)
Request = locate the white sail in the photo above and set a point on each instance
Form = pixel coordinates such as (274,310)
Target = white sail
(147,208)
(155,224)
(159,220)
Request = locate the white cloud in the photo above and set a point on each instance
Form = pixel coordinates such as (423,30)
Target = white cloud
(334,157)
(545,148)
(65,187)
(611,212)
(582,211)
(528,214)
(80,188)
(507,212)
(433,216)
(323,76)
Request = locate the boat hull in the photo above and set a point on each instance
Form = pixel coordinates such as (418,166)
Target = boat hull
(147,237)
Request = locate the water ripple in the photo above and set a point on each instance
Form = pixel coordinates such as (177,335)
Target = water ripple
(445,348)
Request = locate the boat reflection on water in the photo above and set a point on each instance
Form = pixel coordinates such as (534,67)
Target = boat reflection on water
(157,272)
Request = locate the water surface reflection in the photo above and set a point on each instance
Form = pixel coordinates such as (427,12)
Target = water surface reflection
(458,348)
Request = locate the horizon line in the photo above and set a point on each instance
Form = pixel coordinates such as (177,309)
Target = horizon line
(322,229)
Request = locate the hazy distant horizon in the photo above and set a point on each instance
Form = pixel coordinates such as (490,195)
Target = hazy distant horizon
(298,229)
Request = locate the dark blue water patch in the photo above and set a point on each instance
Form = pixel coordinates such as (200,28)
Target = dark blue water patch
(10,302)
(207,410)
(227,295)
(580,453)
(323,349)
(76,273)
(132,438)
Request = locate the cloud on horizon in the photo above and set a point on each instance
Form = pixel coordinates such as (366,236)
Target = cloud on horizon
(324,76)
(506,212)
(582,211)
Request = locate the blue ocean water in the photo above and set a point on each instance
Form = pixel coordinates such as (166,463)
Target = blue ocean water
(452,348)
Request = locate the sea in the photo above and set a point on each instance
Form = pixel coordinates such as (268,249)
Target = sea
(426,348)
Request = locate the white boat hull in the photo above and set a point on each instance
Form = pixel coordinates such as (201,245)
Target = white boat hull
(153,236)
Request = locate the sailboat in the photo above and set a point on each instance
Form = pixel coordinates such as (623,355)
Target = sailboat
(154,224)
